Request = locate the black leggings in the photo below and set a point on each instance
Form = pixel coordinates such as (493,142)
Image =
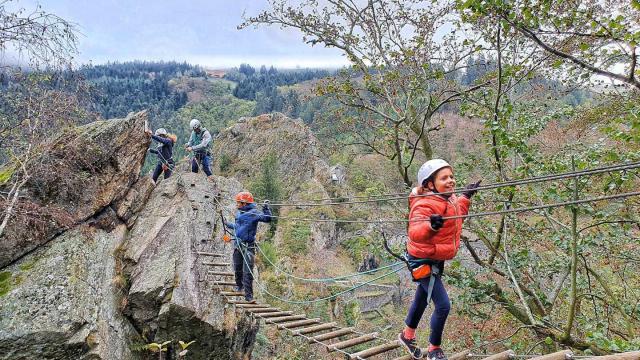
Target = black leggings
(442,305)
(158,170)
(243,262)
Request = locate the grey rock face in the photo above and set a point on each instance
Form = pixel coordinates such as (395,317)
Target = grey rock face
(85,170)
(63,303)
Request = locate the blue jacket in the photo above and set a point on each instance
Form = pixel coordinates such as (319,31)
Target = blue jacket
(247,218)
(164,150)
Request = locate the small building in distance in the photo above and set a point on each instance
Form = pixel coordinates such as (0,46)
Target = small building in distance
(218,74)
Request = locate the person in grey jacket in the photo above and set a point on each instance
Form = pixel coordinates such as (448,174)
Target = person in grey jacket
(200,144)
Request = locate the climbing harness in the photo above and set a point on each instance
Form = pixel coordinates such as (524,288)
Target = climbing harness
(227,236)
(419,268)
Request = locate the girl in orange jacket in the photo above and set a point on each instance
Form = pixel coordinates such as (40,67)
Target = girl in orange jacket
(437,239)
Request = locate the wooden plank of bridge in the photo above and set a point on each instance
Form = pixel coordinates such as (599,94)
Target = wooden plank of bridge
(297,324)
(375,350)
(248,306)
(332,335)
(278,314)
(276,320)
(313,329)
(462,355)
(215,263)
(633,355)
(263,310)
(352,342)
(560,355)
(231,301)
(220,273)
(210,254)
(409,357)
(232,293)
(505,355)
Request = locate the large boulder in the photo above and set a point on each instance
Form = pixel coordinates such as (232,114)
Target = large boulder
(83,171)
(169,296)
(123,269)
(245,145)
(301,172)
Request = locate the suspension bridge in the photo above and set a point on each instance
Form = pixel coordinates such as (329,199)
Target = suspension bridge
(349,342)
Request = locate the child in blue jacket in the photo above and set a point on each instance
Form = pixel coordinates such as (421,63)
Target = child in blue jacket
(244,252)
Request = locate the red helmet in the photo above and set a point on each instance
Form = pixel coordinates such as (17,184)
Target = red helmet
(244,197)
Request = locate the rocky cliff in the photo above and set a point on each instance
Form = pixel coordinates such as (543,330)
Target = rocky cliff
(117,267)
(301,171)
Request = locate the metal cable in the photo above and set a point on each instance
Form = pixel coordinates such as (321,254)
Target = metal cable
(471,215)
(403,196)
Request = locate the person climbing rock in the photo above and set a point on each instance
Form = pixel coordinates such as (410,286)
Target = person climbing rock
(432,240)
(164,151)
(200,144)
(244,252)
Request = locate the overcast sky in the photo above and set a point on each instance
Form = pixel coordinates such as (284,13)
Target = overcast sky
(198,31)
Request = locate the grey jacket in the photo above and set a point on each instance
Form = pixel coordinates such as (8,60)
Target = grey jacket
(200,143)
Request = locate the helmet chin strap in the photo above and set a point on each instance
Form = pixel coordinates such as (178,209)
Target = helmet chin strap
(435,191)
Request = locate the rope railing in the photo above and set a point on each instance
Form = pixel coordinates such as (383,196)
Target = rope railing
(331,279)
(326,298)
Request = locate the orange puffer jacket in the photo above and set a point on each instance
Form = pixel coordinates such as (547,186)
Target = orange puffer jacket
(424,242)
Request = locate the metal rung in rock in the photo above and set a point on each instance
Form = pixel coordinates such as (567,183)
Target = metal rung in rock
(353,342)
(220,273)
(223,283)
(332,335)
(297,324)
(204,253)
(215,264)
(285,319)
(375,350)
(313,329)
(273,315)
(560,355)
(505,355)
(232,293)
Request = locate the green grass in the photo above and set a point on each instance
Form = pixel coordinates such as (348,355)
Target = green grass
(5,282)
(27,265)
(5,174)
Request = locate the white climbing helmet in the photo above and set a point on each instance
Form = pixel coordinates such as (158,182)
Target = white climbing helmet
(429,168)
(161,131)
(194,124)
